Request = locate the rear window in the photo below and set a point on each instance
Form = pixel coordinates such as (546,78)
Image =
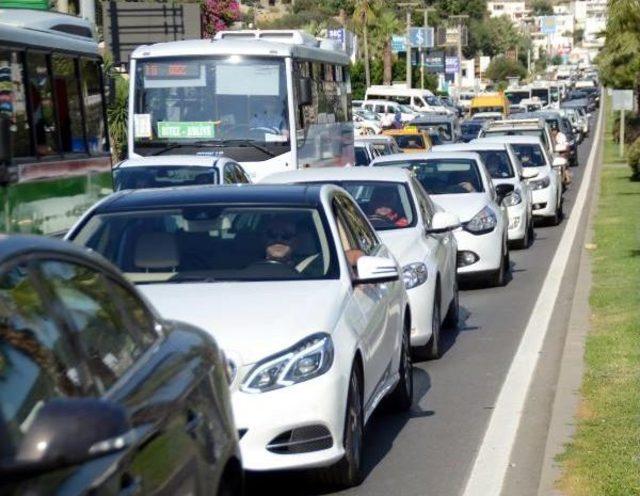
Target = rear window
(362,159)
(162,176)
(410,141)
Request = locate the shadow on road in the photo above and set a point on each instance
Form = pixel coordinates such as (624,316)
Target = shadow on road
(380,434)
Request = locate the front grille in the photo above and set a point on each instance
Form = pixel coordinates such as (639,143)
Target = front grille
(301,440)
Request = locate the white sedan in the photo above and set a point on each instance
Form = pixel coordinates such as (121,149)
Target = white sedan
(418,233)
(300,293)
(506,173)
(544,176)
(177,170)
(460,183)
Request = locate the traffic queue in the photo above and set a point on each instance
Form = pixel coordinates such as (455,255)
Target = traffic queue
(210,325)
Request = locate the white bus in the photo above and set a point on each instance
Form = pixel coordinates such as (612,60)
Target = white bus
(54,151)
(272,100)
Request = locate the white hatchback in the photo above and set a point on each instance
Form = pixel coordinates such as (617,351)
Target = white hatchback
(544,178)
(300,293)
(507,174)
(460,183)
(418,233)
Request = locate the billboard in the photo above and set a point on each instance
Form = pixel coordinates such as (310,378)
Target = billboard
(421,37)
(451,65)
(434,61)
(548,24)
(398,43)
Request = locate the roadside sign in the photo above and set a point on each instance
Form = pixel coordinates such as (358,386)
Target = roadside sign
(622,100)
(434,62)
(398,43)
(421,37)
(452,65)
(485,60)
(336,34)
(547,24)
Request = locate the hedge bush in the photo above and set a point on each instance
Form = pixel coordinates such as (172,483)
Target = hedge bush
(633,158)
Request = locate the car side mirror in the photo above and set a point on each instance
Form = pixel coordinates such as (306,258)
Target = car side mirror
(528,173)
(502,190)
(443,222)
(376,270)
(559,162)
(69,431)
(305,93)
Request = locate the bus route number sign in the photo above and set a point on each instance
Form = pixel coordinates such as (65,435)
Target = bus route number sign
(186,130)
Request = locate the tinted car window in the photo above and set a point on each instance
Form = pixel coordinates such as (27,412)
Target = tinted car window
(362,159)
(103,333)
(213,243)
(163,176)
(530,155)
(364,235)
(443,176)
(35,361)
(410,141)
(497,163)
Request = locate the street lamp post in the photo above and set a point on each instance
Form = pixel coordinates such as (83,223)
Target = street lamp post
(425,11)
(460,18)
(408,5)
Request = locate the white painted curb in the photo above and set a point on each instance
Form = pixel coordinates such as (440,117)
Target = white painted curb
(492,461)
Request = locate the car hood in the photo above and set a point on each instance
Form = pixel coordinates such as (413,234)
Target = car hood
(464,205)
(405,244)
(252,320)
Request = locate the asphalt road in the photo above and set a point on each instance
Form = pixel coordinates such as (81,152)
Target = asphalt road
(431,450)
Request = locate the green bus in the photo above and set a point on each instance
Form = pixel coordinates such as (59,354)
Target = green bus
(54,148)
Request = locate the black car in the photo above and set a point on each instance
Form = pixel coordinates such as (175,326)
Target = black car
(98,394)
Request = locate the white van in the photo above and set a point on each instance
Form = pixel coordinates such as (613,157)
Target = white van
(420,100)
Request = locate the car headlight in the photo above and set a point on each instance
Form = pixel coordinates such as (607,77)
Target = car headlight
(305,360)
(483,222)
(414,274)
(512,199)
(540,183)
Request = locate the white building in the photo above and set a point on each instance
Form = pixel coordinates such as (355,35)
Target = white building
(591,16)
(514,9)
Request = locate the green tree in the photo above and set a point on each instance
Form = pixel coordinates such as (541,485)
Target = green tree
(541,7)
(556,60)
(386,24)
(363,15)
(501,68)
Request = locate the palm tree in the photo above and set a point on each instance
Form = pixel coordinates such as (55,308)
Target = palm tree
(363,14)
(386,25)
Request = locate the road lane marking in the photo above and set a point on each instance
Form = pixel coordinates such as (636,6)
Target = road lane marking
(492,461)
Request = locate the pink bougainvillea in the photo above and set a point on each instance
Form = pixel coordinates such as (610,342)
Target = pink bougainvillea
(218,15)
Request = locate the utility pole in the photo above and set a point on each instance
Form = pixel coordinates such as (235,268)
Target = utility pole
(423,50)
(408,5)
(460,18)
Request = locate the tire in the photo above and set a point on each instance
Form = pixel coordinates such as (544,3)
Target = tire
(401,398)
(453,313)
(348,471)
(432,350)
(523,244)
(499,277)
(557,216)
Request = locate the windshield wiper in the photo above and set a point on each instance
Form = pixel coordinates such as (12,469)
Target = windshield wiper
(173,146)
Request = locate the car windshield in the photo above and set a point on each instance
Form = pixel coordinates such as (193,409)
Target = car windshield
(388,205)
(191,100)
(367,114)
(432,100)
(530,155)
(497,163)
(410,141)
(213,243)
(443,129)
(443,176)
(162,176)
(471,127)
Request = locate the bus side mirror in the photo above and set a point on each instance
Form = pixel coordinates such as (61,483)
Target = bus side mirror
(305,95)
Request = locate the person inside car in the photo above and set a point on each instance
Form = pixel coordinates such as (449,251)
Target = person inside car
(384,205)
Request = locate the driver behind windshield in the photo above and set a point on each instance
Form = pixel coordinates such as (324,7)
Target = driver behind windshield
(268,118)
(384,204)
(281,241)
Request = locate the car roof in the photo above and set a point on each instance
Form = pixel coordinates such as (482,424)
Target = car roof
(249,194)
(517,139)
(469,147)
(379,101)
(433,118)
(174,160)
(15,245)
(374,137)
(428,155)
(388,174)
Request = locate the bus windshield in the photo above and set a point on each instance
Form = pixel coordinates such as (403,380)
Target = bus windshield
(542,93)
(516,96)
(198,101)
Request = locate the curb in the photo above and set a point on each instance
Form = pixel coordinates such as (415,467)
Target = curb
(567,397)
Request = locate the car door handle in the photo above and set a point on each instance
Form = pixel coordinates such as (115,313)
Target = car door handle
(129,485)
(194,420)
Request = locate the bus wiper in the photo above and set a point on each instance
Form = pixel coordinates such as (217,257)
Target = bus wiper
(238,142)
(173,146)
